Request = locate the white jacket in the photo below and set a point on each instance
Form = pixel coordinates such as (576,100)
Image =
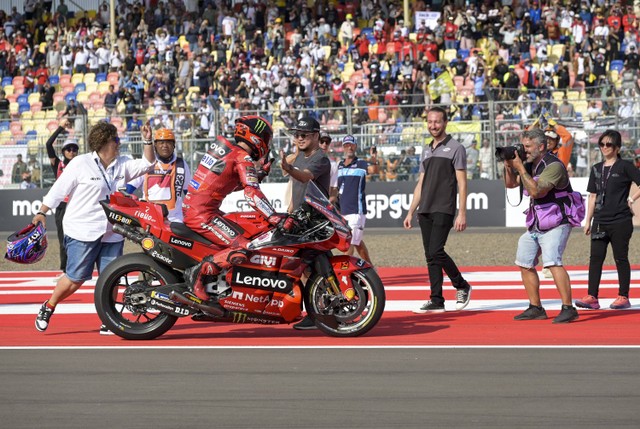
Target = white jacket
(87,183)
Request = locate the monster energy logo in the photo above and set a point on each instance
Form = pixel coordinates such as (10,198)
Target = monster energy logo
(260,126)
(239,317)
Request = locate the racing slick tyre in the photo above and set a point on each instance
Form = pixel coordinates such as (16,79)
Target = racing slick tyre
(355,316)
(121,291)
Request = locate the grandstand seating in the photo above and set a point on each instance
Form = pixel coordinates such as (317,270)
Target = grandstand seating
(54,80)
(77,78)
(616,65)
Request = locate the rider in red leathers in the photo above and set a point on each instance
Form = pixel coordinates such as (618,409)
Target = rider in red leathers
(227,167)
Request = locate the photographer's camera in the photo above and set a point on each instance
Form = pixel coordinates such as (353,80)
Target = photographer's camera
(507,153)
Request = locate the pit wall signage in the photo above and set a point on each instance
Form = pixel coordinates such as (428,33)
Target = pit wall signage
(387,204)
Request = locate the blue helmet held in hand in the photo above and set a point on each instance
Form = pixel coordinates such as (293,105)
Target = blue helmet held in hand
(28,245)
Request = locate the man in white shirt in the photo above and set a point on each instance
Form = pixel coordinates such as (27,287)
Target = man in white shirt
(89,238)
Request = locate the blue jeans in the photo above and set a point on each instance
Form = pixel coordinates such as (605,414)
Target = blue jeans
(550,244)
(83,255)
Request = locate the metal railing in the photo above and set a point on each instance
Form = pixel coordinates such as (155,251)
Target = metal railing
(403,127)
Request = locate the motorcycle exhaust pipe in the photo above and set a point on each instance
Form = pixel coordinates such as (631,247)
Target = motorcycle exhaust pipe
(132,235)
(214,310)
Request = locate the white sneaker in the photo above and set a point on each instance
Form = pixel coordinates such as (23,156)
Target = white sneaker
(546,272)
(105,331)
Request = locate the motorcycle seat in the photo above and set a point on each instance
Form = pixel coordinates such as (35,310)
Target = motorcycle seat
(183,230)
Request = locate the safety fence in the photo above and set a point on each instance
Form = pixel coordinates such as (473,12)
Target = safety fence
(398,133)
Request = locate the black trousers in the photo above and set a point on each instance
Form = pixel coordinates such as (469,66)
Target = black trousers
(63,252)
(619,235)
(435,229)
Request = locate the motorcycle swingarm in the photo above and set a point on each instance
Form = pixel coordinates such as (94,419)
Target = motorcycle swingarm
(159,300)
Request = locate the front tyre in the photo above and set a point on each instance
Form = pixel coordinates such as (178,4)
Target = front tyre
(355,316)
(121,291)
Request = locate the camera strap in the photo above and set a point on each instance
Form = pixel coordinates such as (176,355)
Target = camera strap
(521,191)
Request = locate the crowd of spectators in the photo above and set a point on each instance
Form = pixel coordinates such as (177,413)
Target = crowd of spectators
(277,57)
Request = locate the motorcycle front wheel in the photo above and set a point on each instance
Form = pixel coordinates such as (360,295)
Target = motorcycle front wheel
(355,316)
(121,291)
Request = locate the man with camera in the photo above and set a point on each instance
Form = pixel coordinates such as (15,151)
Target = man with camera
(546,181)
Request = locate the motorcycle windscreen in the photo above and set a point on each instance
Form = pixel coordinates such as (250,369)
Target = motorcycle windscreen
(316,199)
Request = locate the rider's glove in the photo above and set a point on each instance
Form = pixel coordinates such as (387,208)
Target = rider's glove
(264,170)
(288,224)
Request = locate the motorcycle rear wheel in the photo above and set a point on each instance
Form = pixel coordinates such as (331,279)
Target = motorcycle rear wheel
(355,317)
(128,275)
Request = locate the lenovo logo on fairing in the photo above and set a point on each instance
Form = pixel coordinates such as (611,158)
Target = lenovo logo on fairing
(181,242)
(267,283)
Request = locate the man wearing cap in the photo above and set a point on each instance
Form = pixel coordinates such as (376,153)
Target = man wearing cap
(310,164)
(352,180)
(167,183)
(69,151)
(556,134)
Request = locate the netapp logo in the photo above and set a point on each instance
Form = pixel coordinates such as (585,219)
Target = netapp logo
(181,242)
(261,280)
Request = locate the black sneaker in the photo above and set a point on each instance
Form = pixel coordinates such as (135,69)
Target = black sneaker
(430,307)
(42,320)
(305,324)
(567,314)
(463,296)
(532,313)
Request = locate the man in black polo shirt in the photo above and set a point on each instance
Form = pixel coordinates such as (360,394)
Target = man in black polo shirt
(442,172)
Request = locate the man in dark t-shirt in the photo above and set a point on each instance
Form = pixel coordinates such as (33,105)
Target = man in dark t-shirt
(442,175)
(311,164)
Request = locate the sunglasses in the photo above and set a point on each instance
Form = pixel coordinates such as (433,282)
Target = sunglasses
(606,144)
(71,149)
(301,135)
(324,142)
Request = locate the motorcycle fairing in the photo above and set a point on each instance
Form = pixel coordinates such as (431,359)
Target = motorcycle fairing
(344,266)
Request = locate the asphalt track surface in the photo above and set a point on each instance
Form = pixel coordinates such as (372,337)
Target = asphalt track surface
(471,369)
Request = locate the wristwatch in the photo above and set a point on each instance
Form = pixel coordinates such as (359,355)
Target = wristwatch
(148,143)
(631,200)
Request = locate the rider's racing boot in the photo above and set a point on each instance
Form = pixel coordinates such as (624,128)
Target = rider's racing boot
(199,276)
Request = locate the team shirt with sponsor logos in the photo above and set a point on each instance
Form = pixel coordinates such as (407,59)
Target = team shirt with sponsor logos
(87,182)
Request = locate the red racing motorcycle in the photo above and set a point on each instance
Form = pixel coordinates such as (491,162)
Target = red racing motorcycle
(140,296)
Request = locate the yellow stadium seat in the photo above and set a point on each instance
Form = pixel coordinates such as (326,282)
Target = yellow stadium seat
(413,37)
(13,108)
(89,78)
(26,115)
(573,95)
(557,95)
(32,147)
(558,50)
(77,78)
(51,114)
(8,89)
(103,87)
(40,115)
(34,97)
(5,137)
(91,87)
(91,14)
(449,55)
(82,97)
